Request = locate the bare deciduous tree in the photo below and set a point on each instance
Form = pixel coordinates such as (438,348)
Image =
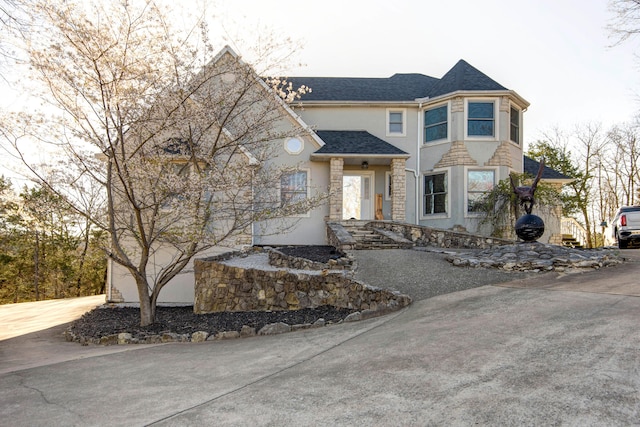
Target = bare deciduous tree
(185,143)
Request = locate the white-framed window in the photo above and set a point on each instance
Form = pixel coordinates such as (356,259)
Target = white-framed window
(514,125)
(434,193)
(294,187)
(436,124)
(479,183)
(396,122)
(481,119)
(388,185)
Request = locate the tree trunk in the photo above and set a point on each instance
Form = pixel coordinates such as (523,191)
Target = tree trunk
(147,305)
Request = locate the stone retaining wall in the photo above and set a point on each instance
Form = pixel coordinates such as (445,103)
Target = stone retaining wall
(223,287)
(434,237)
(278,259)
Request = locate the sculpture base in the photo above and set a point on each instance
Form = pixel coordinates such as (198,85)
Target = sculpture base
(529,227)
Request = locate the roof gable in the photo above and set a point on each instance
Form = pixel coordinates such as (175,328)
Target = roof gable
(463,76)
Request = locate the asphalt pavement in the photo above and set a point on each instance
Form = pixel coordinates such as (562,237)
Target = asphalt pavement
(551,349)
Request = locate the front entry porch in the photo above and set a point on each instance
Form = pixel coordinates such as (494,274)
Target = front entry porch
(367,176)
(355,195)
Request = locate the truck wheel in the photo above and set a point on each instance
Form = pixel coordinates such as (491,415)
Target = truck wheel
(622,244)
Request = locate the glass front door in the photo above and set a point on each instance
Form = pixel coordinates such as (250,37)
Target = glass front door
(357,196)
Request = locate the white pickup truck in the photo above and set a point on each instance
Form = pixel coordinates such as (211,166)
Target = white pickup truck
(626,226)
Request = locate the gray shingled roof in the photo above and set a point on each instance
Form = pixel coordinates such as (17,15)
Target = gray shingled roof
(399,87)
(463,76)
(531,167)
(355,142)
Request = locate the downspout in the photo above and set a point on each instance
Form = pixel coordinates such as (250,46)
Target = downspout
(416,172)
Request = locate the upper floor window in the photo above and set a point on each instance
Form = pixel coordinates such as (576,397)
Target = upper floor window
(480,119)
(435,124)
(293,187)
(435,194)
(515,125)
(479,183)
(396,122)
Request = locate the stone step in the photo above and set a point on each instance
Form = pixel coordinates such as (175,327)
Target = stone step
(373,239)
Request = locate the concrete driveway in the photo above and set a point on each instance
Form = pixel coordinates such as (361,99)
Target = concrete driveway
(545,351)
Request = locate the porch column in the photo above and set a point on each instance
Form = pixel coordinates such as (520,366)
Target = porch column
(398,189)
(335,189)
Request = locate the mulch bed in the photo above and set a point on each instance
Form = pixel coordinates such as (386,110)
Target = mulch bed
(182,320)
(102,322)
(316,253)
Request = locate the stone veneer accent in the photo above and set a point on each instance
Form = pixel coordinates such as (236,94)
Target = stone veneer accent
(222,285)
(399,189)
(339,237)
(435,237)
(335,188)
(457,155)
(501,157)
(457,105)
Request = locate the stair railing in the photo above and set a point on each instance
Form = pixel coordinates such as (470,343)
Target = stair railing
(574,228)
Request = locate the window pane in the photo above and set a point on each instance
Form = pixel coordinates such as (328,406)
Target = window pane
(395,122)
(440,203)
(515,135)
(480,180)
(395,127)
(475,202)
(480,127)
(436,132)
(437,115)
(293,187)
(395,117)
(515,126)
(435,124)
(438,183)
(481,110)
(435,194)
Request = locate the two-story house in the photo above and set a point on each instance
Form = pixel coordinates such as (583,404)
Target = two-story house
(430,146)
(410,148)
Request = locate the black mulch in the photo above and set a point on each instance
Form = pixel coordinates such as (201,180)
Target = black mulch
(317,253)
(182,320)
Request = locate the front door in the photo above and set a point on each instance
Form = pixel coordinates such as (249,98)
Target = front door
(357,195)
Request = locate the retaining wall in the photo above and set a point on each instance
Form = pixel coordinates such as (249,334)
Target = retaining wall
(223,287)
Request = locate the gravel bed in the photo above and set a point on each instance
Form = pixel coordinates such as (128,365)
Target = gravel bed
(423,273)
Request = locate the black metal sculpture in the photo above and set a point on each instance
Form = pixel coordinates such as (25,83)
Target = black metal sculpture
(529,227)
(526,194)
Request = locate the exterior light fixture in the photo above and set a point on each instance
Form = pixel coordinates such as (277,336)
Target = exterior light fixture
(365,165)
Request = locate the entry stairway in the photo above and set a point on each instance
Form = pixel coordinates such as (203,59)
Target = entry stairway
(571,242)
(375,238)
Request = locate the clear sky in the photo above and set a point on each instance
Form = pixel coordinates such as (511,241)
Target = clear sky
(554,53)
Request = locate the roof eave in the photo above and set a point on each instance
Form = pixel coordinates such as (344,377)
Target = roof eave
(522,103)
(300,103)
(328,156)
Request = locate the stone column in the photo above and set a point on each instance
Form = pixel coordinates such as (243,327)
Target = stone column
(335,189)
(398,189)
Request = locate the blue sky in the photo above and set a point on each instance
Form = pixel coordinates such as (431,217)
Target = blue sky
(554,53)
